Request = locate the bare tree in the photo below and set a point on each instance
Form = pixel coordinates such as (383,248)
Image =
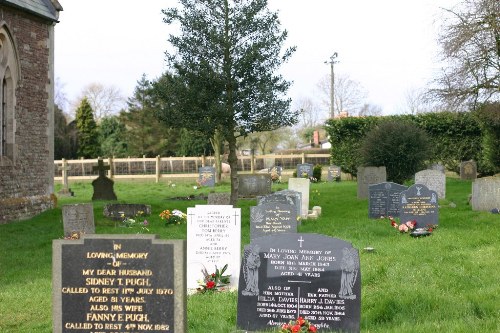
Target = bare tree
(60,98)
(470,39)
(370,110)
(105,101)
(349,94)
(310,113)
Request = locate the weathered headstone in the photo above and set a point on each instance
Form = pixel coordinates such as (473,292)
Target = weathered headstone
(334,173)
(275,172)
(120,211)
(78,218)
(383,199)
(301,185)
(434,180)
(304,170)
(206,176)
(119,283)
(272,218)
(486,194)
(468,170)
(419,204)
(214,240)
(103,186)
(367,176)
(218,198)
(289,197)
(252,185)
(437,167)
(287,276)
(65,191)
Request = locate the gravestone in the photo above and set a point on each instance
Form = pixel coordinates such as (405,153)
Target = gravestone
(434,180)
(103,186)
(253,185)
(286,276)
(334,173)
(486,194)
(289,197)
(65,191)
(304,170)
(272,218)
(78,218)
(383,199)
(468,170)
(214,240)
(275,172)
(367,176)
(437,167)
(218,198)
(206,176)
(301,185)
(119,283)
(120,211)
(420,204)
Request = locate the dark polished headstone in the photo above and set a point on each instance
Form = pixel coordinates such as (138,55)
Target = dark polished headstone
(304,170)
(103,186)
(272,218)
(419,204)
(383,199)
(289,197)
(287,276)
(334,173)
(119,283)
(206,176)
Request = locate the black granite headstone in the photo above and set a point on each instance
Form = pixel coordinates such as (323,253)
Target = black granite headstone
(119,283)
(206,176)
(272,218)
(334,173)
(419,204)
(289,197)
(287,276)
(383,199)
(103,186)
(254,184)
(304,170)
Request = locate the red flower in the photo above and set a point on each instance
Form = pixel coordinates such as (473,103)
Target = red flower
(210,284)
(430,229)
(285,326)
(312,329)
(295,328)
(300,321)
(394,224)
(213,275)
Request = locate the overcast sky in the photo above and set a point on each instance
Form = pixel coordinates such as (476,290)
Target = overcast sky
(389,46)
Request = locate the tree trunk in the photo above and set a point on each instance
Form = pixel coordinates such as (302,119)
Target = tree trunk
(216,142)
(233,163)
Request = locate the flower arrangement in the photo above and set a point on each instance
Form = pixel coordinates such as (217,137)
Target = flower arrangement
(410,227)
(173,217)
(275,176)
(128,222)
(74,235)
(299,325)
(213,282)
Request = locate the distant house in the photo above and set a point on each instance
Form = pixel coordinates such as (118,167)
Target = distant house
(26,107)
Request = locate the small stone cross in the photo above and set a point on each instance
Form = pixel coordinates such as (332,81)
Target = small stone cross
(65,168)
(101,168)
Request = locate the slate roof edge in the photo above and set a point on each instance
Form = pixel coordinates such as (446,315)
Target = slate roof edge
(53,5)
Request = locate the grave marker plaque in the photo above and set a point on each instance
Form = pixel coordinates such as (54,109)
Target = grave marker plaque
(434,180)
(272,218)
(367,176)
(468,170)
(290,275)
(213,239)
(206,176)
(304,170)
(486,194)
(289,197)
(254,184)
(78,218)
(119,283)
(334,173)
(419,204)
(383,199)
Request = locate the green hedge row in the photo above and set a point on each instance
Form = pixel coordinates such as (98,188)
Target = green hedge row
(454,137)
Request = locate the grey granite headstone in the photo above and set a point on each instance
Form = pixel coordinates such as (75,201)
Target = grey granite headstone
(383,199)
(219,198)
(486,194)
(468,170)
(206,176)
(286,276)
(289,197)
(120,211)
(419,204)
(119,283)
(253,185)
(304,170)
(272,218)
(435,180)
(103,186)
(334,173)
(78,218)
(367,176)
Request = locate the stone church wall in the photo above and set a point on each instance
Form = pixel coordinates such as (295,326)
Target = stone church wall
(26,180)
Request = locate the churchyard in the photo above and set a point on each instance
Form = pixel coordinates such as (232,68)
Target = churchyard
(445,282)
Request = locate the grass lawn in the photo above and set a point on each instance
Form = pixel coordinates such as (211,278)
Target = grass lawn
(448,282)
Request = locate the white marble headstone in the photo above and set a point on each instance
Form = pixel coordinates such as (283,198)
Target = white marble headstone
(301,185)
